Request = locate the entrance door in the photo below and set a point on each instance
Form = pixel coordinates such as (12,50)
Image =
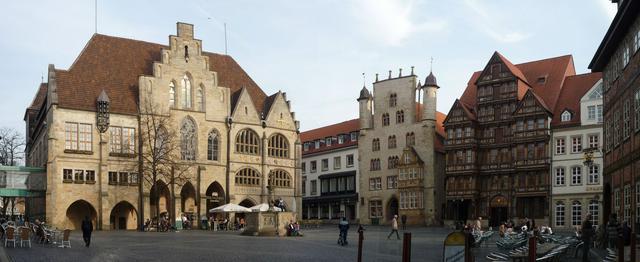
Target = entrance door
(498,215)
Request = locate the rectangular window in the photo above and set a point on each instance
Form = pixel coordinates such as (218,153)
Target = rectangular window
(349,160)
(594,141)
(78,176)
(616,200)
(560,146)
(304,185)
(325,164)
(559,214)
(324,186)
(541,123)
(469,156)
(115,139)
(337,162)
(594,174)
(314,166)
(351,183)
(354,136)
(375,208)
(392,182)
(576,175)
(314,187)
(530,124)
(627,120)
(133,178)
(340,139)
(576,214)
(327,141)
(67,175)
(113,178)
(636,107)
(342,184)
(333,186)
(627,203)
(599,113)
(594,210)
(123,178)
(77,136)
(560,176)
(306,146)
(591,112)
(576,144)
(375,183)
(90,176)
(304,167)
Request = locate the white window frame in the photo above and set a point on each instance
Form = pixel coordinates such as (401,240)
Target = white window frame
(560,214)
(560,176)
(576,144)
(594,174)
(576,213)
(566,116)
(576,177)
(561,147)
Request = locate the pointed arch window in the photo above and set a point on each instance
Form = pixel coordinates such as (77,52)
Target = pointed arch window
(385,119)
(279,178)
(186,92)
(213,146)
(199,99)
(400,117)
(172,95)
(392,142)
(411,139)
(247,142)
(278,146)
(247,177)
(188,141)
(393,100)
(375,144)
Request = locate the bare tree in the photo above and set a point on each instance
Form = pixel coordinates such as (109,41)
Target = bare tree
(11,146)
(161,156)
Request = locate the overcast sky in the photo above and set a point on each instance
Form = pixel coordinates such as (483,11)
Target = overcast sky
(316,51)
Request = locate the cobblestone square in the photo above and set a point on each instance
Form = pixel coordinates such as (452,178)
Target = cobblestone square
(316,245)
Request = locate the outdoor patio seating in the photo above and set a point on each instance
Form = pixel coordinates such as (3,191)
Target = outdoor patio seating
(65,239)
(10,236)
(24,236)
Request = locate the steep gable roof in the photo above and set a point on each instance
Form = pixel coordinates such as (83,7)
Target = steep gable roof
(114,64)
(38,99)
(575,87)
(554,70)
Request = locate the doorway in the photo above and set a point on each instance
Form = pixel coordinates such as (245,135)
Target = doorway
(499,211)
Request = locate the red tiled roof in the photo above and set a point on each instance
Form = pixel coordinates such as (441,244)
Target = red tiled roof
(553,69)
(38,99)
(114,64)
(334,130)
(514,70)
(575,87)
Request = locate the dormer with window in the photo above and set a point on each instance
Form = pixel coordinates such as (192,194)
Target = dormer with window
(566,116)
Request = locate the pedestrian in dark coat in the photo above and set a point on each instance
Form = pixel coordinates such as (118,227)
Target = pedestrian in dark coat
(87,228)
(587,234)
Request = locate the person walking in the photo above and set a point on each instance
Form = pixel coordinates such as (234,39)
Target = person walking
(478,226)
(403,218)
(394,227)
(613,229)
(343,226)
(87,228)
(587,234)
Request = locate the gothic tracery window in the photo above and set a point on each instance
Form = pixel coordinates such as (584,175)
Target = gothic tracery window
(186,92)
(213,146)
(188,141)
(385,119)
(400,117)
(200,99)
(172,95)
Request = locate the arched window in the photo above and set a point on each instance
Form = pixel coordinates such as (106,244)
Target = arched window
(393,100)
(186,92)
(385,119)
(400,117)
(161,146)
(560,213)
(576,213)
(278,146)
(248,177)
(199,99)
(188,142)
(279,178)
(375,144)
(411,139)
(172,95)
(247,142)
(392,141)
(213,146)
(393,162)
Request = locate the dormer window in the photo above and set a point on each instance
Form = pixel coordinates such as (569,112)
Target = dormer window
(328,141)
(542,79)
(566,116)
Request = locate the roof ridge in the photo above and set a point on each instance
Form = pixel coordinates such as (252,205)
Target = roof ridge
(545,59)
(343,122)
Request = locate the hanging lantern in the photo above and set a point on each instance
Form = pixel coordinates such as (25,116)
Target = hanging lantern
(103,112)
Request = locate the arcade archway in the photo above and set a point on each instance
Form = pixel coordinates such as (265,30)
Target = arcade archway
(123,217)
(392,208)
(159,200)
(215,196)
(77,211)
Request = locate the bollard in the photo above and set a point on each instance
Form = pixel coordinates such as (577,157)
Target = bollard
(620,248)
(360,238)
(406,247)
(633,246)
(532,249)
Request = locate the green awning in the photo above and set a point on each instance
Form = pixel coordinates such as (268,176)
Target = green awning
(13,192)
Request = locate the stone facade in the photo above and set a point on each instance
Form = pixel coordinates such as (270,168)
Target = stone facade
(205,97)
(401,126)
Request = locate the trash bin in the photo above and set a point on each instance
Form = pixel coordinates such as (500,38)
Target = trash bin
(375,221)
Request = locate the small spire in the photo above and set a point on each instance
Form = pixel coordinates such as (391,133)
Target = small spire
(376,77)
(389,74)
(103,97)
(364,82)
(411,70)
(400,72)
(431,65)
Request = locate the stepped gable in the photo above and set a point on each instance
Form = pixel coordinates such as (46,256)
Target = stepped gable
(114,64)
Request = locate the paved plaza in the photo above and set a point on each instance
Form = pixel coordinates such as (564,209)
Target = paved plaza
(316,245)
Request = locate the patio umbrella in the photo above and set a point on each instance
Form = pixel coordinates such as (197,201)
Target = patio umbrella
(263,207)
(230,208)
